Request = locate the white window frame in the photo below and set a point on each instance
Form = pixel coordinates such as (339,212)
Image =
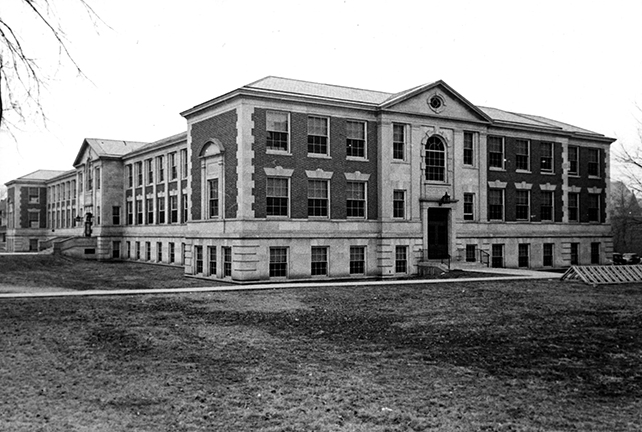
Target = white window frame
(288,148)
(403,206)
(541,158)
(403,142)
(503,158)
(288,197)
(327,136)
(365,199)
(528,155)
(365,140)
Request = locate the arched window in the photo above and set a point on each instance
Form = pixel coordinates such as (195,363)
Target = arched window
(435,159)
(213,179)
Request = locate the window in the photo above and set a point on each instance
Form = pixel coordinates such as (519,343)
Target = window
(139,212)
(97,215)
(356,199)
(318,135)
(401,259)
(159,252)
(522,205)
(211,253)
(149,167)
(495,204)
(130,213)
(595,253)
(227,261)
(594,162)
(160,203)
(34,219)
(435,159)
(573,207)
(160,168)
(357,259)
(355,139)
(130,177)
(34,195)
(173,208)
(212,198)
(547,258)
(137,250)
(198,256)
(546,209)
(172,252)
(278,262)
(129,249)
(469,206)
(182,253)
(546,157)
(185,208)
(399,204)
(575,253)
(149,202)
(522,157)
(399,141)
(496,152)
(184,163)
(522,255)
(497,255)
(277,197)
(318,198)
(115,215)
(148,251)
(471,253)
(319,261)
(90,179)
(97,178)
(469,149)
(277,125)
(573,160)
(594,207)
(139,173)
(81,184)
(173,167)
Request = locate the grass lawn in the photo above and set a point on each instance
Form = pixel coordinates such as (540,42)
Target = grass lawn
(54,271)
(48,272)
(483,356)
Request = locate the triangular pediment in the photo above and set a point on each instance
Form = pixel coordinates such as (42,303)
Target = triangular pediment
(84,154)
(435,99)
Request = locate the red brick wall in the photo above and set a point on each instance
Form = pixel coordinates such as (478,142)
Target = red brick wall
(535,178)
(25,206)
(299,161)
(222,127)
(584,182)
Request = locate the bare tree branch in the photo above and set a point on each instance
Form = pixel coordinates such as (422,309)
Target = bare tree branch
(22,78)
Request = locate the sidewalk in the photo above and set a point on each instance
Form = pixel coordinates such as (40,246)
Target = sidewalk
(511,274)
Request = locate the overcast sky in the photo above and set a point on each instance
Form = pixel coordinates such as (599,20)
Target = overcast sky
(574,61)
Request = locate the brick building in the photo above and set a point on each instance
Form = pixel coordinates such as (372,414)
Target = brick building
(285,179)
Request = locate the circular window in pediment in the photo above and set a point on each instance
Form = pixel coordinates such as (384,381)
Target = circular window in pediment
(436,103)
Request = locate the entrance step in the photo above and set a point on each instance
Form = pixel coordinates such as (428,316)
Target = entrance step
(432,268)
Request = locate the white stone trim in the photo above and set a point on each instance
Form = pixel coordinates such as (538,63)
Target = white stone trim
(319,174)
(523,186)
(497,184)
(574,189)
(278,171)
(357,176)
(595,190)
(547,187)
